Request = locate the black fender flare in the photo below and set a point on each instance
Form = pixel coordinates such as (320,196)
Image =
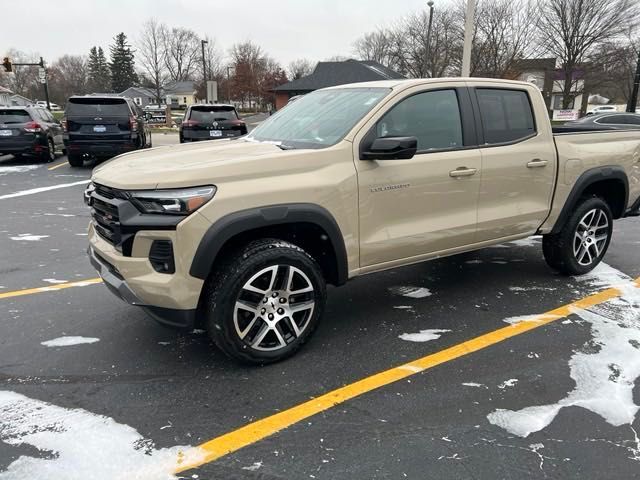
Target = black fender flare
(586,179)
(245,220)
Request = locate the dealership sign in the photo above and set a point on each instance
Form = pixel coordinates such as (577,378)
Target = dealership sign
(566,114)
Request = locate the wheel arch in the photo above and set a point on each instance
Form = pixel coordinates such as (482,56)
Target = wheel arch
(609,182)
(306,225)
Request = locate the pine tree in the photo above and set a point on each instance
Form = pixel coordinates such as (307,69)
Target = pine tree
(99,75)
(122,65)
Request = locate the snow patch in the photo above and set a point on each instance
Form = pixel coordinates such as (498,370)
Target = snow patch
(27,237)
(254,467)
(403,307)
(604,370)
(423,335)
(411,292)
(473,384)
(17,169)
(508,383)
(81,445)
(53,280)
(528,289)
(527,242)
(529,318)
(69,341)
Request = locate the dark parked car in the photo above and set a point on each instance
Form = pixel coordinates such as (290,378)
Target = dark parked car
(210,122)
(30,131)
(103,127)
(607,121)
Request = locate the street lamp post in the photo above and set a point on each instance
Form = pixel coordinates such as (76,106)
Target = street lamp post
(204,70)
(430,4)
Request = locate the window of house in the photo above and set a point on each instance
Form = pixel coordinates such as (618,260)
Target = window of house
(432,117)
(137,100)
(506,115)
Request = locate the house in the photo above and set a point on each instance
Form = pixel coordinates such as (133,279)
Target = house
(540,72)
(5,97)
(181,94)
(142,96)
(20,101)
(329,74)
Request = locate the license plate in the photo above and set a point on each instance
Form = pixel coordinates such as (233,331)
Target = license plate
(99,129)
(215,133)
(5,133)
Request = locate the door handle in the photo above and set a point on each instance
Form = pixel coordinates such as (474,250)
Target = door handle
(462,172)
(537,163)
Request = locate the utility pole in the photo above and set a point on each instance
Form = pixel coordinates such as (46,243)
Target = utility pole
(430,4)
(229,67)
(45,82)
(633,99)
(204,70)
(468,36)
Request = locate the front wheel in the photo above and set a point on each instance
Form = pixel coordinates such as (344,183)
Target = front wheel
(265,302)
(583,240)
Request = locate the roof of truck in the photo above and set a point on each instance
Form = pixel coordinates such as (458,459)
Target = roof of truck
(407,83)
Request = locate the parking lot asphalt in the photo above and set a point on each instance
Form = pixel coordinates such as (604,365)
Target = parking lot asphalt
(129,397)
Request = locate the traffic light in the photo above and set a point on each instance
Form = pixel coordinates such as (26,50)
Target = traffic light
(6,63)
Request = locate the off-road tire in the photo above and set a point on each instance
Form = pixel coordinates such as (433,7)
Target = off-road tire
(228,283)
(559,248)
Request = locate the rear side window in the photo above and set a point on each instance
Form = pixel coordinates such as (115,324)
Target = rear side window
(432,117)
(613,120)
(14,116)
(97,107)
(633,120)
(506,115)
(212,114)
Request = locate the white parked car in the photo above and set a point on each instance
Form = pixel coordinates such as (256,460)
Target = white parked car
(602,109)
(54,107)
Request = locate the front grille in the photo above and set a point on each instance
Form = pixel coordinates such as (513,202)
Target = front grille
(105,214)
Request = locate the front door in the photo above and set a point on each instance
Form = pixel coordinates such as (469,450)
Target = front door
(410,208)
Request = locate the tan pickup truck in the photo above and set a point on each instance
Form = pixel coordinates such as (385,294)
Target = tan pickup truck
(240,236)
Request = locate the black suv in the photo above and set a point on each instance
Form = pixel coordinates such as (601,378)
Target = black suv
(103,127)
(211,122)
(31,131)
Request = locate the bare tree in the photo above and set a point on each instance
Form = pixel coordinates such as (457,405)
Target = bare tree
(300,68)
(23,80)
(69,75)
(504,34)
(376,46)
(573,29)
(182,50)
(248,61)
(152,55)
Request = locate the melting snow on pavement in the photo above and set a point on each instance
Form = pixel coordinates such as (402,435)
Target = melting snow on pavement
(78,445)
(411,292)
(605,375)
(69,341)
(27,237)
(17,169)
(423,335)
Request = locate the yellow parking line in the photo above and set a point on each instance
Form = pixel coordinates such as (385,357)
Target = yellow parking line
(61,164)
(260,429)
(50,288)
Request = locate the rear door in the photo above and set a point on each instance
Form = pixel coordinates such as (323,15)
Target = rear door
(53,127)
(209,122)
(98,119)
(518,161)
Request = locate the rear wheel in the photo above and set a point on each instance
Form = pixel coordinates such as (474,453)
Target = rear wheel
(265,301)
(49,155)
(75,160)
(583,240)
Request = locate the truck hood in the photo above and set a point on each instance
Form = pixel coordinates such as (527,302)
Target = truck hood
(178,166)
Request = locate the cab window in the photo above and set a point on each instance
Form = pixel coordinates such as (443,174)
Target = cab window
(506,115)
(432,117)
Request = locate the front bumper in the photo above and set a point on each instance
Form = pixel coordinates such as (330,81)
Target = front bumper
(184,319)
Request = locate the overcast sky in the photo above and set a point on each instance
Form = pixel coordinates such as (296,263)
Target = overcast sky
(286,29)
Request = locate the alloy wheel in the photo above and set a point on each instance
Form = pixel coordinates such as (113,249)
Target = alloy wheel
(274,307)
(590,237)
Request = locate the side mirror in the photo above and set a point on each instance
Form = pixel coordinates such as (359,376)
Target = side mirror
(178,121)
(391,148)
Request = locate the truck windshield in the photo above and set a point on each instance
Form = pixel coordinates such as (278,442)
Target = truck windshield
(319,119)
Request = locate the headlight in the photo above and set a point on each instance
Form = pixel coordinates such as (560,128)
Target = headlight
(172,202)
